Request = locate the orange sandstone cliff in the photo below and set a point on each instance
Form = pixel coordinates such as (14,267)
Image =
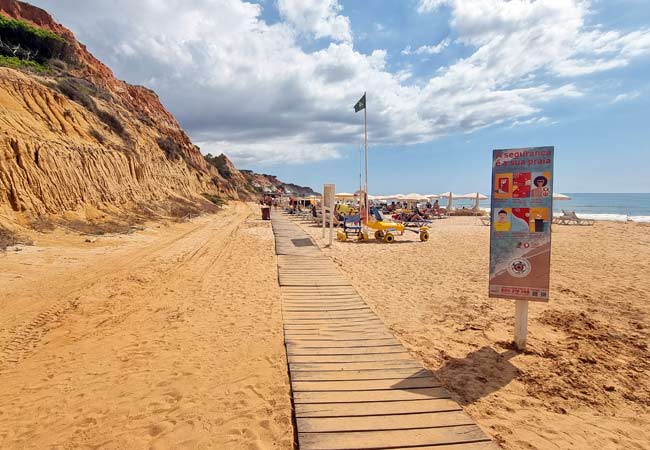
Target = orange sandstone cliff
(75,139)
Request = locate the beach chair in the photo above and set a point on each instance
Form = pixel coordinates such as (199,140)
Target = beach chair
(571,218)
(351,228)
(485,220)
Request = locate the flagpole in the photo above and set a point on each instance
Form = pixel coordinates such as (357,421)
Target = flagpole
(365,127)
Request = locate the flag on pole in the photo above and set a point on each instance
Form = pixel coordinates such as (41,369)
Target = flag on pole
(361,104)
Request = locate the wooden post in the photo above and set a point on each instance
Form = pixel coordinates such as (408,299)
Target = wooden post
(521,323)
(323,209)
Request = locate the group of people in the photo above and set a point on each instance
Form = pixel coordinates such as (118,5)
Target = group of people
(414,214)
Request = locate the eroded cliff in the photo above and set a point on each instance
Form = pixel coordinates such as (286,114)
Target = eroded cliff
(73,138)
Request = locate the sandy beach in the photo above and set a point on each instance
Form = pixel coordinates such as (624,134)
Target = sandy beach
(170,338)
(584,381)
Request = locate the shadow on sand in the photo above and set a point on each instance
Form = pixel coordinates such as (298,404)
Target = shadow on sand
(478,374)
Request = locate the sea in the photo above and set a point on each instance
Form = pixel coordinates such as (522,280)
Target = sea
(612,207)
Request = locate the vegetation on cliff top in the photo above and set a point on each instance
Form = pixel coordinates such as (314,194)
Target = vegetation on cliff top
(30,44)
(220,163)
(17,63)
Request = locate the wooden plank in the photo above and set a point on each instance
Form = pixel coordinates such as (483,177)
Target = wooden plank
(377,374)
(322,306)
(351,327)
(370,396)
(401,364)
(481,445)
(376,408)
(309,335)
(317,304)
(398,356)
(335,320)
(364,385)
(337,336)
(383,422)
(323,343)
(390,438)
(329,317)
(359,310)
(307,351)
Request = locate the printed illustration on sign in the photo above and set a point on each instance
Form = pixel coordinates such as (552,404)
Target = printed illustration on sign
(541,184)
(521,185)
(540,220)
(503,185)
(502,220)
(520,220)
(519,267)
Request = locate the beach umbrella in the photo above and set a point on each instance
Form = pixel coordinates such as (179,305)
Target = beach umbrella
(558,196)
(476,196)
(432,196)
(415,197)
(450,197)
(344,195)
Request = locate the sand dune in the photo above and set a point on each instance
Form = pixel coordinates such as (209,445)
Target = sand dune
(168,339)
(585,380)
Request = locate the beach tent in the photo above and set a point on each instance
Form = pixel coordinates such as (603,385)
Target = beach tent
(558,196)
(476,196)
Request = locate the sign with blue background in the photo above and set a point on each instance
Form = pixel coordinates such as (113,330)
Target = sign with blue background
(520,231)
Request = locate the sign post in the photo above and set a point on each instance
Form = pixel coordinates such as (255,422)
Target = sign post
(520,234)
(328,208)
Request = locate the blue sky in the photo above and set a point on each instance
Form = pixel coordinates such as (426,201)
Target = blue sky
(272,84)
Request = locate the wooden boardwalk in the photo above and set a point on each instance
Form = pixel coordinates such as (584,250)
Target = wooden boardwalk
(354,385)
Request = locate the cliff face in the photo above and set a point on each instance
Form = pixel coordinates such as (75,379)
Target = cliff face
(270,183)
(75,137)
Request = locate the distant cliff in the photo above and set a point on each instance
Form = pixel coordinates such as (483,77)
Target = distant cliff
(75,139)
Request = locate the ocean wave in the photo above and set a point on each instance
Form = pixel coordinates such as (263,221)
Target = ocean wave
(611,217)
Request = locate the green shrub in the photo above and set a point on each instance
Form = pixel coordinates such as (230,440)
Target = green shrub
(171,148)
(113,123)
(27,42)
(81,91)
(214,199)
(78,91)
(17,63)
(219,162)
(97,135)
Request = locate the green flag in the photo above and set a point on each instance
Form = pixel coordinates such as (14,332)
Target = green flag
(361,104)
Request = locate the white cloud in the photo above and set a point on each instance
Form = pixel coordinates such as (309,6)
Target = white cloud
(626,97)
(427,49)
(241,85)
(532,121)
(523,36)
(319,17)
(427,6)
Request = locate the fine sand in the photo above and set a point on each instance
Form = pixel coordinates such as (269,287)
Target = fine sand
(171,338)
(584,381)
(166,339)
